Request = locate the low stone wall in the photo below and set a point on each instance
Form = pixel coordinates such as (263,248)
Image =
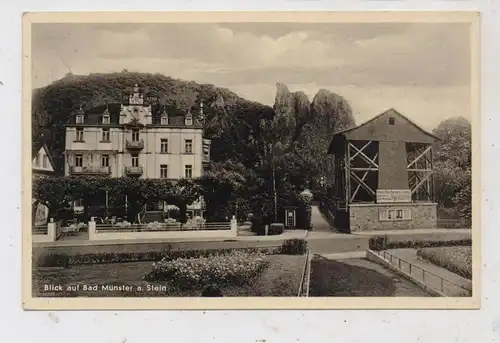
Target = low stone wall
(50,234)
(367,217)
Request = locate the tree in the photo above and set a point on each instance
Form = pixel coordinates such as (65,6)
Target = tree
(452,157)
(222,186)
(52,192)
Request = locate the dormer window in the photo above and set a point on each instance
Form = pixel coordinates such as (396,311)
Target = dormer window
(392,120)
(188,120)
(105,119)
(79,119)
(164,120)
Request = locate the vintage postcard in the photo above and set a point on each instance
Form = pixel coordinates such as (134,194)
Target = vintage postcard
(245,160)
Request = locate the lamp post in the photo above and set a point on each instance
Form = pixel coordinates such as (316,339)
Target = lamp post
(307,196)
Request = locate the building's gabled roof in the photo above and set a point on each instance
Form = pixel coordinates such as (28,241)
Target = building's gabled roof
(373,129)
(93,116)
(35,149)
(392,112)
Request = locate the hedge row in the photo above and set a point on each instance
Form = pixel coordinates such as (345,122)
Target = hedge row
(381,243)
(290,247)
(457,260)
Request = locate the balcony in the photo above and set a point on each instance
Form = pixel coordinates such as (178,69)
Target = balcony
(93,170)
(206,159)
(134,145)
(133,171)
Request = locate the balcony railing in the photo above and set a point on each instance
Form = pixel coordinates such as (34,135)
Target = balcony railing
(90,170)
(135,145)
(134,171)
(206,158)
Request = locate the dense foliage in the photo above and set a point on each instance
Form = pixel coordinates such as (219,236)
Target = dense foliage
(235,269)
(456,259)
(453,157)
(57,193)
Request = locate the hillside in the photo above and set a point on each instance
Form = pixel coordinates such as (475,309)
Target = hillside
(229,117)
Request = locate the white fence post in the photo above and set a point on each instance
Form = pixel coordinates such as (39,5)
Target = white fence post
(92,229)
(234,226)
(51,231)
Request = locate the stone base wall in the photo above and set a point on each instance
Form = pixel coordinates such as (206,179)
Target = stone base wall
(366,217)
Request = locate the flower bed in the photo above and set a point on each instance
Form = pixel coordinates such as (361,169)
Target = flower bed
(236,268)
(457,260)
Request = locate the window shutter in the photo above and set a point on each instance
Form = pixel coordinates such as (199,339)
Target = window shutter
(382,214)
(407,214)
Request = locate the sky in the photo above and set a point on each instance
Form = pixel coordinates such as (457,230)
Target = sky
(420,69)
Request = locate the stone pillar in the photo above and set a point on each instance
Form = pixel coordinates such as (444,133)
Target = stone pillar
(234,226)
(51,231)
(92,229)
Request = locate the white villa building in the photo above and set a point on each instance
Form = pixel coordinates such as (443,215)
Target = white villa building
(136,141)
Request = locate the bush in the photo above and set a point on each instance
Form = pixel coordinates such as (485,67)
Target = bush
(65,260)
(259,227)
(235,269)
(382,243)
(457,260)
(276,229)
(294,247)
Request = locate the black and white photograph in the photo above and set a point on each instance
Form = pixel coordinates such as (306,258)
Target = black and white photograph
(320,160)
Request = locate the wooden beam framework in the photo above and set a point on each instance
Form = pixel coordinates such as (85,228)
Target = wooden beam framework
(420,171)
(361,159)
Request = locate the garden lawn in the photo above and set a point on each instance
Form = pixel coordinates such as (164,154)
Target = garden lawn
(358,277)
(281,278)
(457,259)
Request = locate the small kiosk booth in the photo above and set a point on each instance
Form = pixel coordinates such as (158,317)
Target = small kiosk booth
(290,217)
(384,175)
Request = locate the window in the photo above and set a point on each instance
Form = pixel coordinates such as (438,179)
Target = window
(188,171)
(78,160)
(164,171)
(79,135)
(105,161)
(392,120)
(189,120)
(135,161)
(206,152)
(44,161)
(105,119)
(164,120)
(188,146)
(135,135)
(37,160)
(396,214)
(105,135)
(79,119)
(164,145)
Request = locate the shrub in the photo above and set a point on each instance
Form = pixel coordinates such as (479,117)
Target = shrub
(236,269)
(294,247)
(259,227)
(276,229)
(383,243)
(457,260)
(65,260)
(378,243)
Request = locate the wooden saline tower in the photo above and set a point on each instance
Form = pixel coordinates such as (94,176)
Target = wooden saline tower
(384,175)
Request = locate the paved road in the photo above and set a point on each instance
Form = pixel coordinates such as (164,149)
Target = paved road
(319,222)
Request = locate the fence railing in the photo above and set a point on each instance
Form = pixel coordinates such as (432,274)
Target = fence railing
(429,279)
(306,275)
(39,229)
(119,227)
